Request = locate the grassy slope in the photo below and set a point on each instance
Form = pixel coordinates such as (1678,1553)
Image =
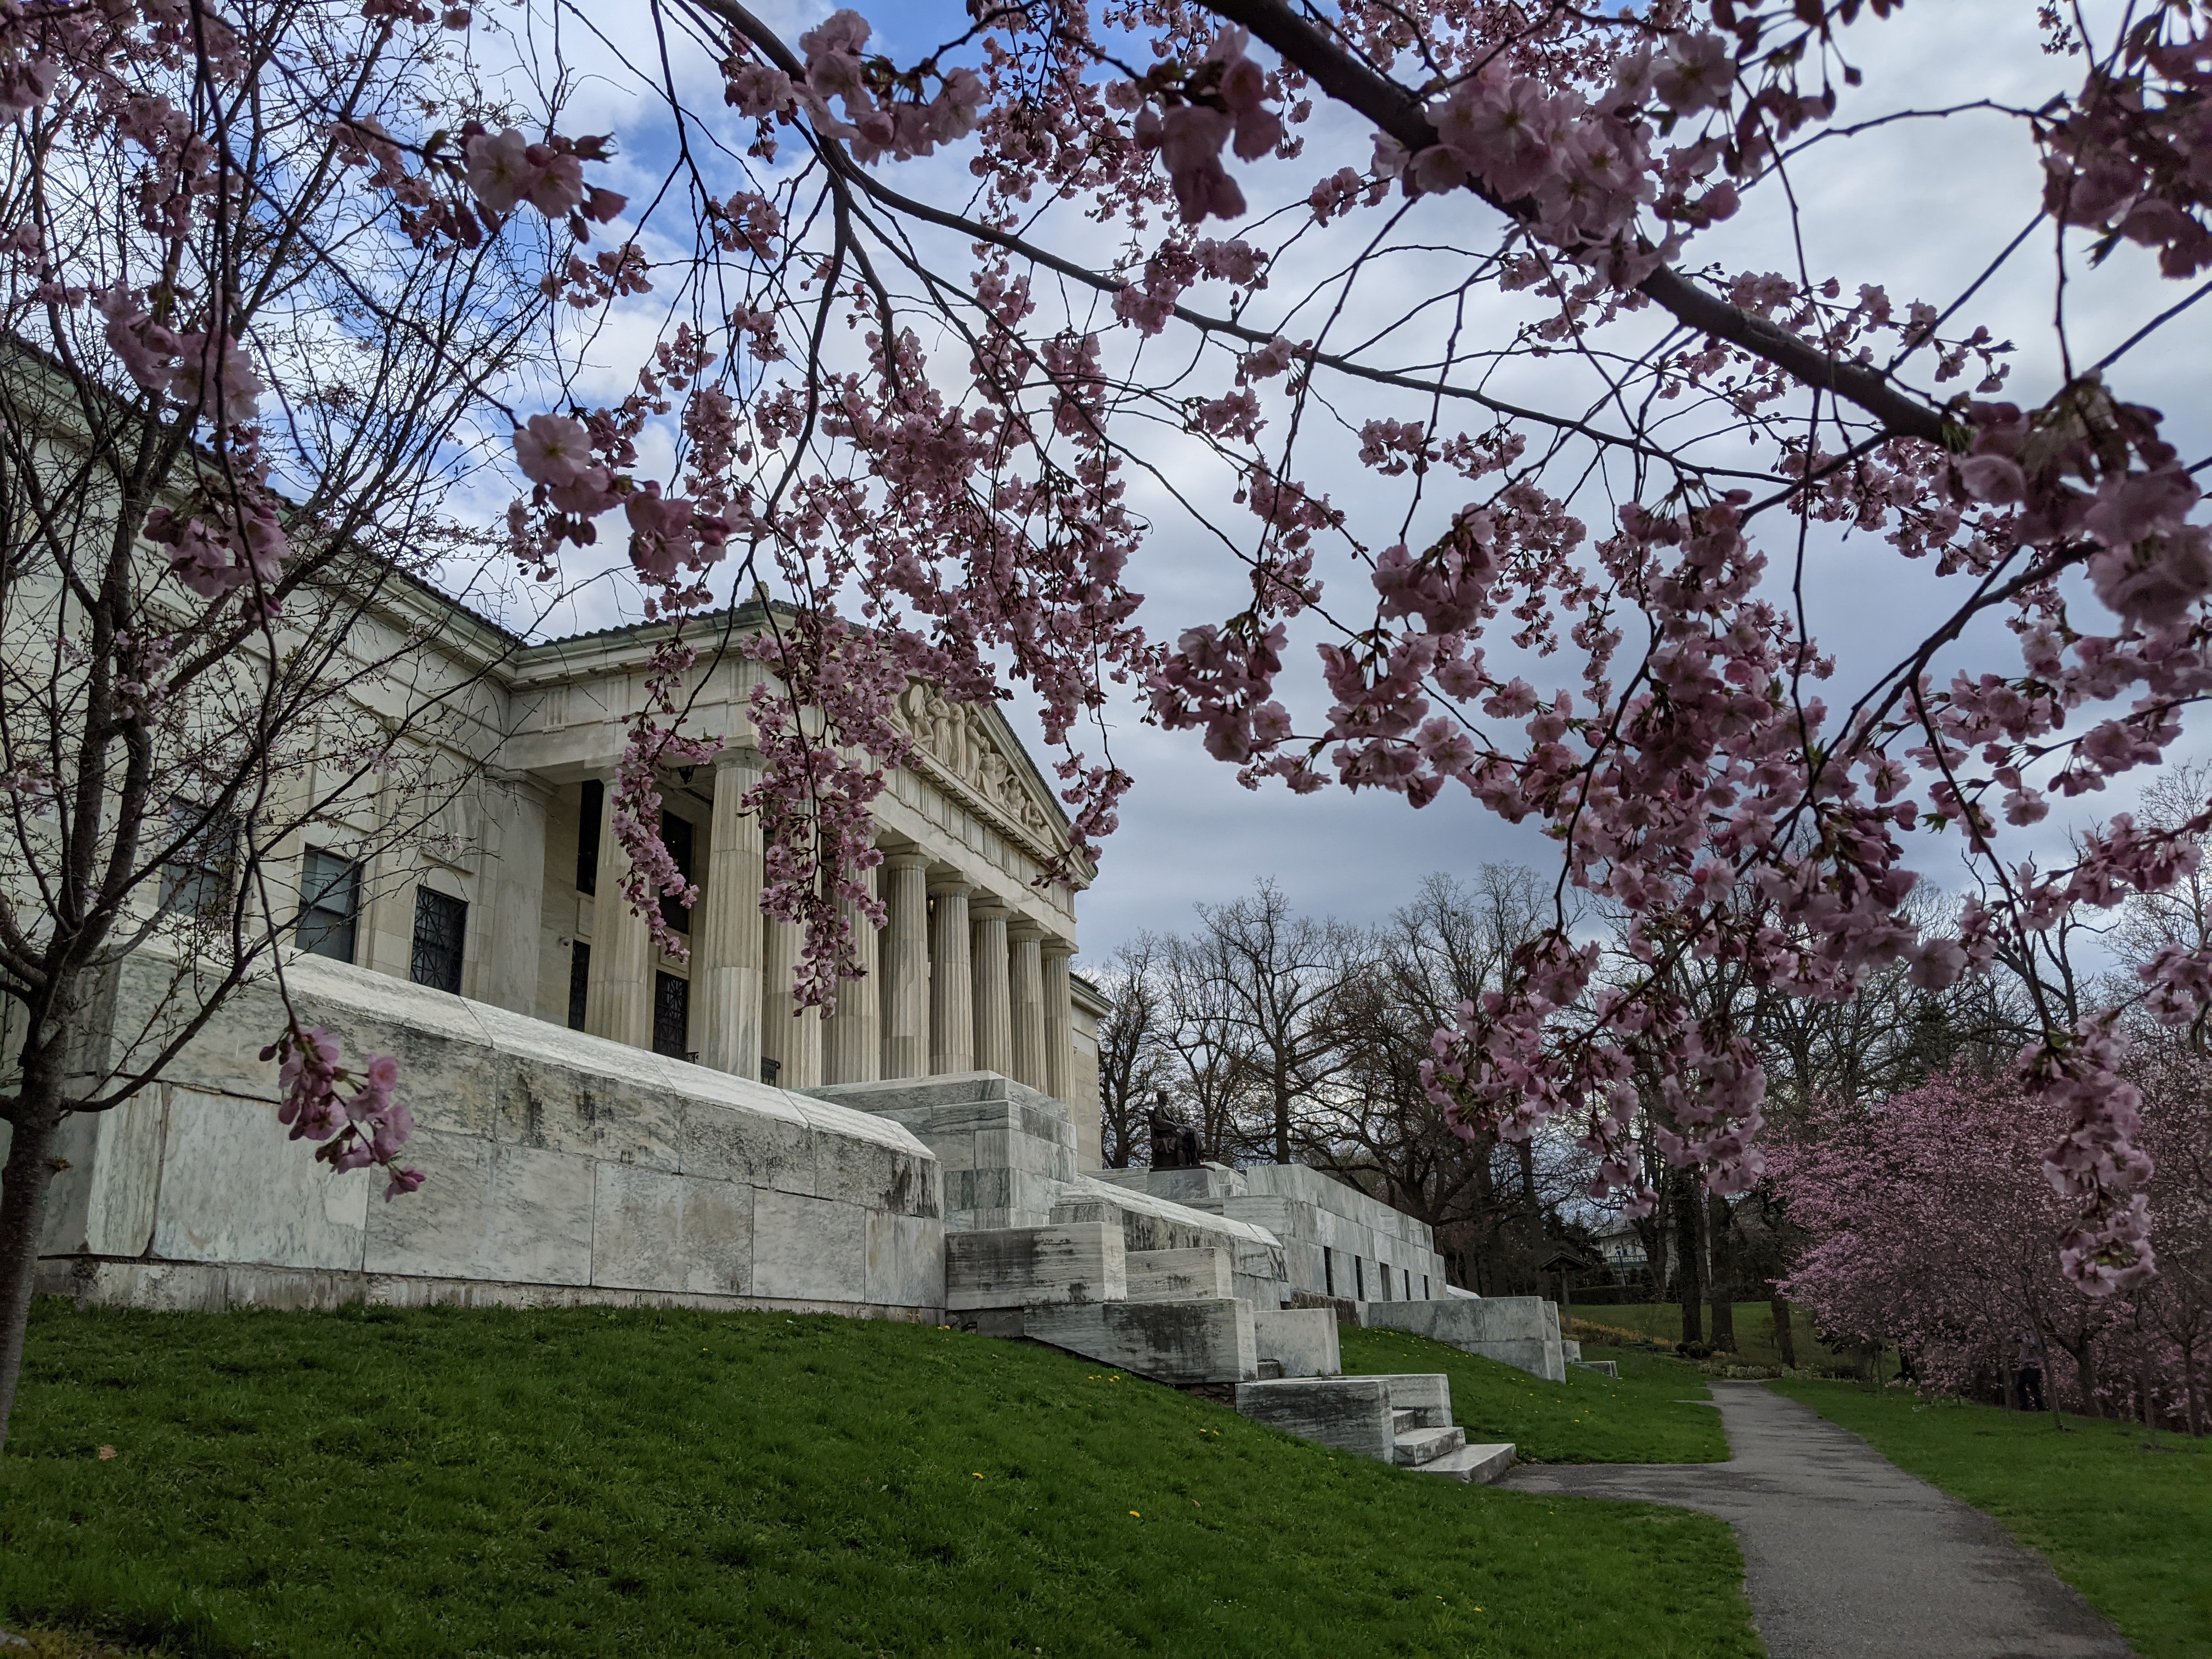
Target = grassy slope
(648,1483)
(1754,1328)
(1652,1414)
(2128,1524)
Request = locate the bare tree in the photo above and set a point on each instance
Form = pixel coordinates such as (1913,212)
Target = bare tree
(1272,979)
(1134,1054)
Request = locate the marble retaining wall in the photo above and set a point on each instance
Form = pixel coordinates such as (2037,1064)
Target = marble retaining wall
(561,1167)
(1336,1241)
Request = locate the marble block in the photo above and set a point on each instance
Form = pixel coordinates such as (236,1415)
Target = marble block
(233,1189)
(1178,1275)
(103,1204)
(1302,1340)
(906,1261)
(809,1250)
(1021,1266)
(1175,1342)
(1348,1414)
(1521,1330)
(488,1209)
(652,1231)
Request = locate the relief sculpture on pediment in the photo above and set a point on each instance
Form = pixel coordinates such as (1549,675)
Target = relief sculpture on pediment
(958,737)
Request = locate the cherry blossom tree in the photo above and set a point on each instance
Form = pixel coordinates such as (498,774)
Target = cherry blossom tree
(940,342)
(1927,1221)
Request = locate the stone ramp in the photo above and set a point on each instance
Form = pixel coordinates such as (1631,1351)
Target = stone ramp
(1845,1555)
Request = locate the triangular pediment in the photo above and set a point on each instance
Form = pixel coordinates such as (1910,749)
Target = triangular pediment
(968,751)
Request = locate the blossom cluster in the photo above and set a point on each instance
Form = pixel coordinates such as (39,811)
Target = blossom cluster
(355,1116)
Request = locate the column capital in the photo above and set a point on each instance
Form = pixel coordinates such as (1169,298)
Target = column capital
(988,907)
(1056,946)
(739,755)
(1021,929)
(953,885)
(905,858)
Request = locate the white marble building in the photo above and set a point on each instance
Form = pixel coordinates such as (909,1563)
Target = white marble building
(519,904)
(601,1120)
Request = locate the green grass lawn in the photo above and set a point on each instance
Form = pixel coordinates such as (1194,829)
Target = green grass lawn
(2126,1522)
(649,1484)
(1754,1329)
(1652,1414)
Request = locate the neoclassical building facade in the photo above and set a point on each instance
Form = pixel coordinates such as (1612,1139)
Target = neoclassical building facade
(512,895)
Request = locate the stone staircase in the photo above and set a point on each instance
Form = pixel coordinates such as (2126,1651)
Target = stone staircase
(1404,1419)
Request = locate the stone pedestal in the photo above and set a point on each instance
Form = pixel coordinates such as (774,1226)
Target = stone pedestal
(994,1022)
(1025,988)
(905,965)
(618,1002)
(791,1035)
(951,980)
(726,964)
(1059,1020)
(853,1042)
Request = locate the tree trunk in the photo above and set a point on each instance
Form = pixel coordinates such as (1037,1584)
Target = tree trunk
(1689,1281)
(1282,1119)
(23,1187)
(1719,1250)
(1785,1337)
(2189,1392)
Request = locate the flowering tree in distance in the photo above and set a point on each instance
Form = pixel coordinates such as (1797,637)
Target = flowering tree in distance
(939,337)
(1929,1223)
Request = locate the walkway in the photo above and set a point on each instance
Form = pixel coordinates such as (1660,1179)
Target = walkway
(1845,1555)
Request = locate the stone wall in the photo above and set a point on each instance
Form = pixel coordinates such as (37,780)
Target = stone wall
(1336,1241)
(561,1167)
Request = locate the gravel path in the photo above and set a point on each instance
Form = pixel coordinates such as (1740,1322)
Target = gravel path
(1845,1555)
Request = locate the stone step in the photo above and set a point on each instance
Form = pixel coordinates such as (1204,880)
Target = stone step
(1401,1420)
(1271,1371)
(1418,1446)
(1607,1367)
(1477,1464)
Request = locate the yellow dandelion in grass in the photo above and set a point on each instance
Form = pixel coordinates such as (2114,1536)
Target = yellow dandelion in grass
(1135,1516)
(979,1474)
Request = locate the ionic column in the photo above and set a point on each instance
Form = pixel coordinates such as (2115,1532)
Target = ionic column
(951,984)
(994,1022)
(790,1035)
(1025,990)
(726,964)
(1059,1019)
(904,958)
(618,1001)
(852,1046)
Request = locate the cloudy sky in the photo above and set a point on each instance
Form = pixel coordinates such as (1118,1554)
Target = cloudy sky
(1918,206)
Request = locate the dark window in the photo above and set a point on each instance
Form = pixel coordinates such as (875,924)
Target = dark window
(1358,1279)
(675,836)
(1408,1275)
(1329,1270)
(199,879)
(587,835)
(330,899)
(579,982)
(1425,1296)
(672,1015)
(1386,1278)
(441,924)
(769,1068)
